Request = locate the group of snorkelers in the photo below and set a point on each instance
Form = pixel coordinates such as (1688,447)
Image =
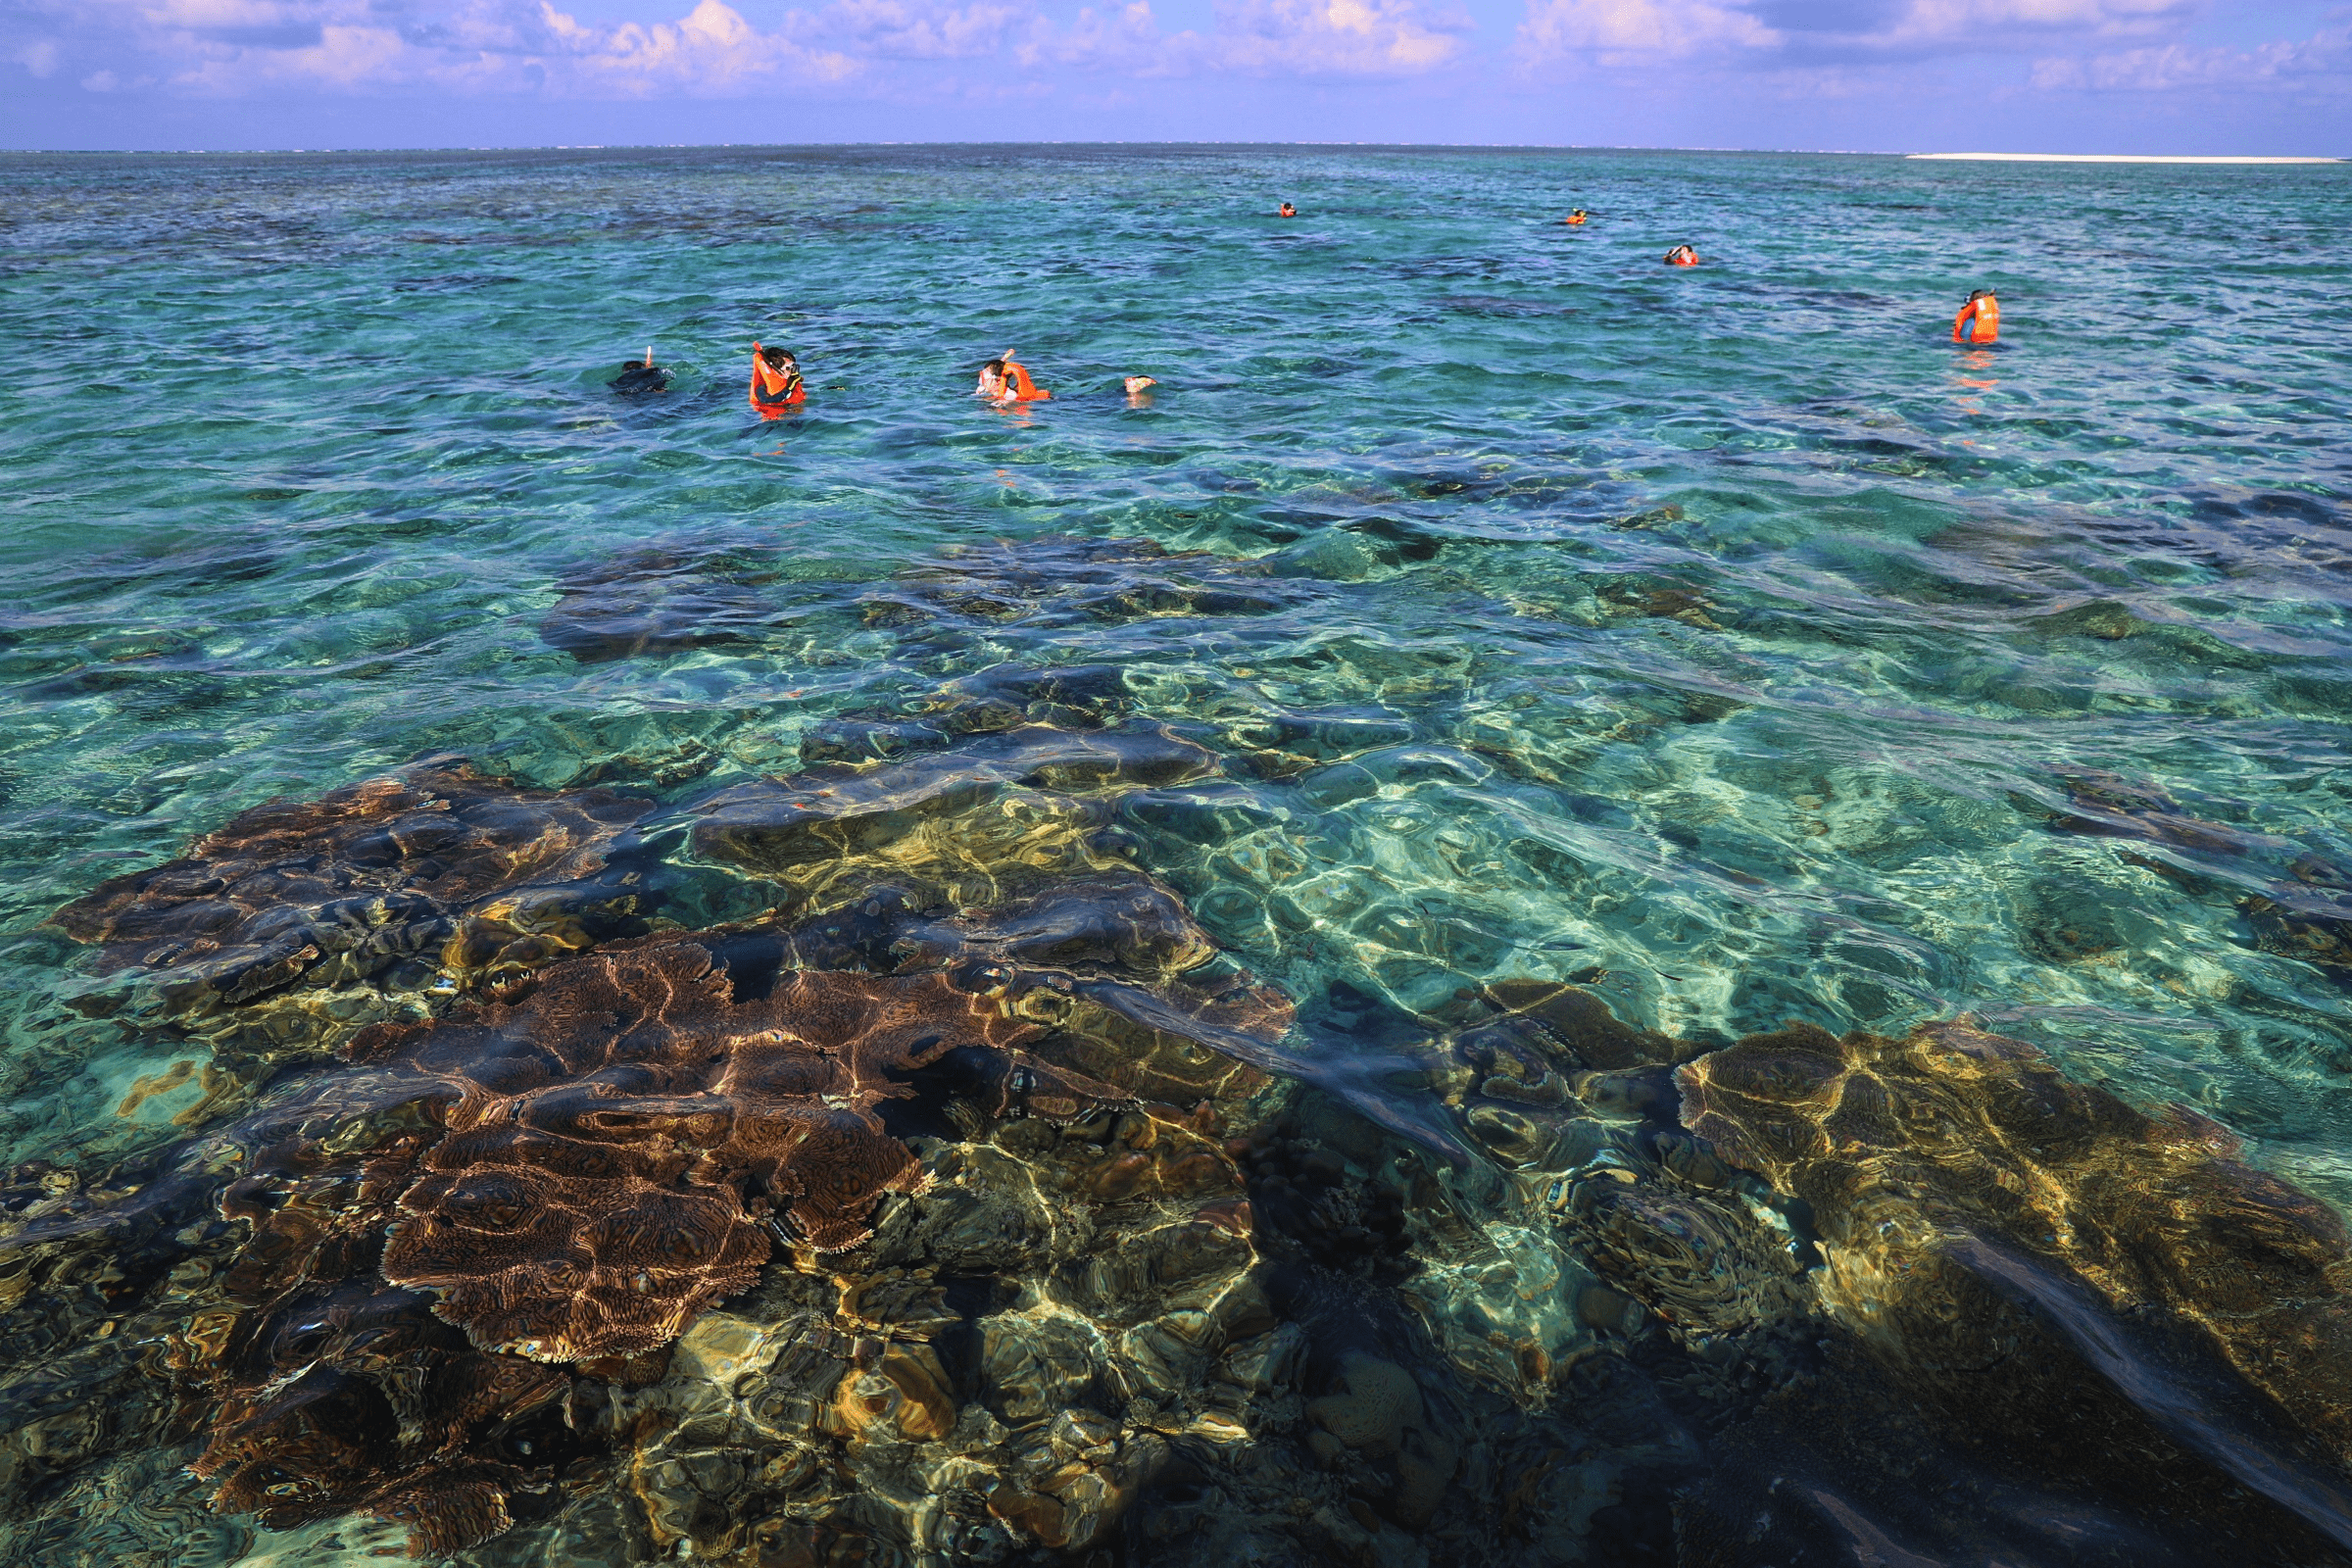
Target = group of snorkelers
(777,386)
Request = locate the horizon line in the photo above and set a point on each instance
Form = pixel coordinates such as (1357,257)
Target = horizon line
(1497,146)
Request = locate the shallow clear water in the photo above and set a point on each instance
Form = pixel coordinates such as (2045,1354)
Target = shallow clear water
(1726,637)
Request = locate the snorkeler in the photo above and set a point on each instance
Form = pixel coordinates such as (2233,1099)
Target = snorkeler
(1682,256)
(775,381)
(1139,391)
(638,376)
(1007,380)
(1286,210)
(1574,220)
(1978,321)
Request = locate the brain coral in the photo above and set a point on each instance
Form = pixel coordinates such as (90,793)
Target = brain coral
(618,1137)
(429,864)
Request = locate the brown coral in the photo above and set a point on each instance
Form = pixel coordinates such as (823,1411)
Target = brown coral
(621,1133)
(325,1392)
(438,865)
(1952,1142)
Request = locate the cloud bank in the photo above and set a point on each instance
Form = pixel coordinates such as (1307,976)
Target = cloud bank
(1457,63)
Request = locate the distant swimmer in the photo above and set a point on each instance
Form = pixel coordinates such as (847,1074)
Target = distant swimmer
(1139,391)
(1286,210)
(1978,321)
(776,385)
(638,376)
(1682,256)
(1574,220)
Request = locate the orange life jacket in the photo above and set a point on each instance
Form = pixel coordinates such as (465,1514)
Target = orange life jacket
(1979,321)
(773,390)
(1573,219)
(1020,388)
(1675,258)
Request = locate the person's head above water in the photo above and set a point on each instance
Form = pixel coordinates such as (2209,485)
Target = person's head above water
(1286,210)
(991,379)
(1682,256)
(779,359)
(1977,294)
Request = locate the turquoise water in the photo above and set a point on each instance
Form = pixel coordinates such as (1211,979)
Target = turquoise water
(1725,638)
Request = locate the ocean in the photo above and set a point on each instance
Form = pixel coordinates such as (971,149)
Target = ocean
(1491,760)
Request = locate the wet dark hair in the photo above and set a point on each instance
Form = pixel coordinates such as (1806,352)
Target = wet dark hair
(777,359)
(1978,294)
(993,367)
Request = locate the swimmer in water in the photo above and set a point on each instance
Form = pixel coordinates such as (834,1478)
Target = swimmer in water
(776,385)
(1682,256)
(1286,210)
(1005,379)
(1139,391)
(1980,319)
(1575,219)
(637,376)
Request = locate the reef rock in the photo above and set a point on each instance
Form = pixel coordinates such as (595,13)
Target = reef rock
(1046,582)
(971,826)
(2057,1263)
(615,1140)
(435,871)
(653,602)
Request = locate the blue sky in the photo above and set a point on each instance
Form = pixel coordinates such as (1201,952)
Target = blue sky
(2044,75)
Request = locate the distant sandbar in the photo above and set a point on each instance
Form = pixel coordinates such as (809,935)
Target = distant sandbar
(2108,158)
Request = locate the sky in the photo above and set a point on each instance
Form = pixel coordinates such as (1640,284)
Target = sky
(2169,76)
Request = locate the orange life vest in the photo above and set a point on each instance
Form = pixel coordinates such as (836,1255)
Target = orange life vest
(1573,219)
(1020,388)
(773,390)
(1677,258)
(1979,321)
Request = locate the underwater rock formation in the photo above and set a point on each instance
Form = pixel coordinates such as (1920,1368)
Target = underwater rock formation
(616,1140)
(1980,1210)
(490,1224)
(968,823)
(1046,582)
(437,871)
(2304,915)
(655,602)
(1073,697)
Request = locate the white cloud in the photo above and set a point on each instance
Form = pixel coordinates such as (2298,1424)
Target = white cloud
(238,47)
(229,48)
(2328,53)
(1811,33)
(893,30)
(1620,32)
(1332,38)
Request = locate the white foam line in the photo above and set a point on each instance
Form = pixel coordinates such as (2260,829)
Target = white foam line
(2106,158)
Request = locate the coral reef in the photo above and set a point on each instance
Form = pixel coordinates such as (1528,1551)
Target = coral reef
(436,874)
(616,1140)
(967,1206)
(656,601)
(2042,1260)
(1045,583)
(2306,913)
(967,825)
